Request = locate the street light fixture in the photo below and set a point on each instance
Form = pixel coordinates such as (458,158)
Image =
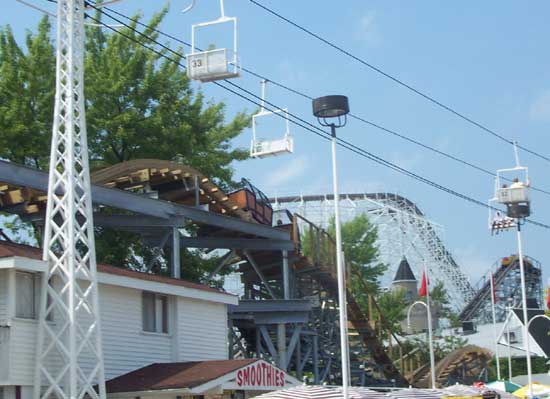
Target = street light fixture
(517,199)
(430,336)
(331,111)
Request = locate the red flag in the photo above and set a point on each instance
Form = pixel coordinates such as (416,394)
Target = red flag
(494,288)
(423,286)
(548,297)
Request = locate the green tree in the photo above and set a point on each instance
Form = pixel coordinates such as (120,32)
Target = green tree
(138,105)
(361,253)
(27,82)
(393,309)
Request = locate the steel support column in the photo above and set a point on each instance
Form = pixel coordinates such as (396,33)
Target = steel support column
(176,253)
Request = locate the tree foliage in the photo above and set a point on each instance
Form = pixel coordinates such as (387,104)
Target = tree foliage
(361,253)
(27,83)
(138,105)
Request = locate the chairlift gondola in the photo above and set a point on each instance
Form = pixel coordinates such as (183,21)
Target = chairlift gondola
(512,189)
(213,63)
(262,148)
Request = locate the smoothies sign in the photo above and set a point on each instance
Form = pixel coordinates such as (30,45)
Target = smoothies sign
(260,374)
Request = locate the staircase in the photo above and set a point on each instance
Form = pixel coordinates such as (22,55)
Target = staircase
(321,256)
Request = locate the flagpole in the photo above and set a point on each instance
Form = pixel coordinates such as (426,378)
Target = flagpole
(493,302)
(430,336)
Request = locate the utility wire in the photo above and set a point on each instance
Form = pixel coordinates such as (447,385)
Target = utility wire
(297,120)
(399,81)
(351,115)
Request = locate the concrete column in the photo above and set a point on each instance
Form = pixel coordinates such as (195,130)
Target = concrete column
(176,272)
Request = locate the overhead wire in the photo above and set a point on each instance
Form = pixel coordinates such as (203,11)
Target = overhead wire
(351,115)
(399,81)
(297,120)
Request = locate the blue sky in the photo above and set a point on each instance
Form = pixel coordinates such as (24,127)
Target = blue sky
(489,60)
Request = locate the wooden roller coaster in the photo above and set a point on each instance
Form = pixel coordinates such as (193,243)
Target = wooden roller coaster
(465,365)
(167,196)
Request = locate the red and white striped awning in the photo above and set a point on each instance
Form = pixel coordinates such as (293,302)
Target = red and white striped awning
(304,392)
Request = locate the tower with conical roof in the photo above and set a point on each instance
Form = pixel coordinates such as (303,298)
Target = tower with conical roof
(405,280)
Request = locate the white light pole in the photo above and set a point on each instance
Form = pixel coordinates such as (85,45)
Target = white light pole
(493,303)
(516,196)
(331,111)
(430,336)
(524,306)
(506,332)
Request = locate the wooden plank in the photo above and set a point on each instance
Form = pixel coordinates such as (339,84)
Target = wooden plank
(122,179)
(140,175)
(13,197)
(32,208)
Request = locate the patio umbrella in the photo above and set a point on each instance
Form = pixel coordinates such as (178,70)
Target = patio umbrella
(413,393)
(503,385)
(305,392)
(539,390)
(471,391)
(364,393)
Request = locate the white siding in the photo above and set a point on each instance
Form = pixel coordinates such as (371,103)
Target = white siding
(9,392)
(22,344)
(201,335)
(125,346)
(3,296)
(202,330)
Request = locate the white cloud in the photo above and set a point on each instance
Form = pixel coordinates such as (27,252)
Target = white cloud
(291,72)
(367,30)
(290,171)
(407,161)
(540,108)
(473,262)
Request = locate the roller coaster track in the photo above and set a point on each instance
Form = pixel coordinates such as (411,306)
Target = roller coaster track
(464,365)
(406,220)
(506,277)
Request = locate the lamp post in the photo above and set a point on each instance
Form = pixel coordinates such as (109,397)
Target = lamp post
(529,375)
(430,337)
(331,111)
(517,199)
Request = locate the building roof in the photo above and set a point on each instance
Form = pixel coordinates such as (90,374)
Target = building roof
(539,329)
(404,272)
(9,250)
(160,376)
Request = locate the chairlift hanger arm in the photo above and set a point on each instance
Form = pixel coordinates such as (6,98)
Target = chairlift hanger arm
(515,168)
(194,2)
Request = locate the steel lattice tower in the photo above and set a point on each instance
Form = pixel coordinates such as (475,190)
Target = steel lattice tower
(69,353)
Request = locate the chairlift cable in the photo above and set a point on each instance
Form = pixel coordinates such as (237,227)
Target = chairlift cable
(399,81)
(304,124)
(351,115)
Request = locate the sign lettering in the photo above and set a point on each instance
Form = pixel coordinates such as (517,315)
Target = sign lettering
(260,375)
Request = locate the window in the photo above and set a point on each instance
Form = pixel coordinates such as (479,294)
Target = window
(25,292)
(155,312)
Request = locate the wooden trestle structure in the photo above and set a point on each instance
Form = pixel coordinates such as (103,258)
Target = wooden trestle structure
(288,313)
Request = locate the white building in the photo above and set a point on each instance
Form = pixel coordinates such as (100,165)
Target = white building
(145,319)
